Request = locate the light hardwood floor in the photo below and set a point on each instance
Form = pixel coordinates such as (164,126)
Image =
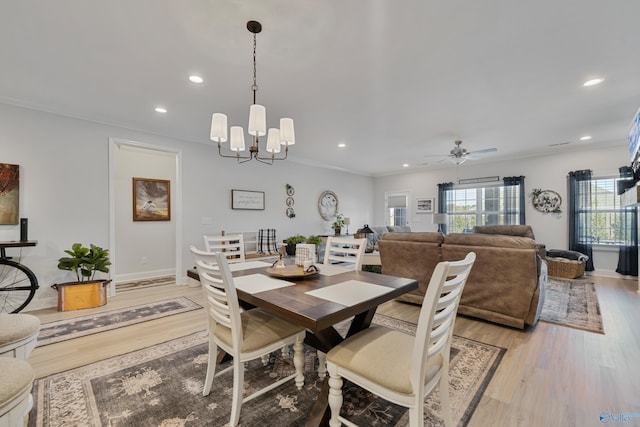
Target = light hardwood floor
(550,375)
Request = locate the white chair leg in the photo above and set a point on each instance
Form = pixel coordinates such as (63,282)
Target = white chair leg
(285,351)
(445,402)
(335,399)
(265,360)
(298,362)
(238,390)
(211,368)
(322,364)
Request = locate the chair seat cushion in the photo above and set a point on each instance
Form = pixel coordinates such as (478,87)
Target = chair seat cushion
(380,355)
(17,378)
(16,327)
(259,329)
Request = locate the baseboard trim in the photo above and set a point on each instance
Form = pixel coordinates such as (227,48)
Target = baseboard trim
(144,275)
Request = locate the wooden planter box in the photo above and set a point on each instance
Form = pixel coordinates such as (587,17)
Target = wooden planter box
(79,295)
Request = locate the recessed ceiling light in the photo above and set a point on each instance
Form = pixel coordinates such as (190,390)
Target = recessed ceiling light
(585,138)
(406,165)
(161,110)
(593,82)
(195,79)
(342,145)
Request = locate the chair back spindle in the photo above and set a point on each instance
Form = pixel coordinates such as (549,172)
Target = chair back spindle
(345,250)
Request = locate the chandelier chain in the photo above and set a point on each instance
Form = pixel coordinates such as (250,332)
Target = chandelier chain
(254,87)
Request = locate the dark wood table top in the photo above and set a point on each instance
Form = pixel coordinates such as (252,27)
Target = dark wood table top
(295,305)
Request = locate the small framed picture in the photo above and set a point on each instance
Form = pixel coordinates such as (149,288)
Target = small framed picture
(247,200)
(424,205)
(151,199)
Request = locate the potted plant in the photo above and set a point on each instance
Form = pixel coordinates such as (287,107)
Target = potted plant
(314,240)
(292,242)
(86,291)
(338,223)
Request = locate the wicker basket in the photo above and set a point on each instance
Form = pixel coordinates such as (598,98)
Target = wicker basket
(565,268)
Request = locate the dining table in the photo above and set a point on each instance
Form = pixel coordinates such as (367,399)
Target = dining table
(319,301)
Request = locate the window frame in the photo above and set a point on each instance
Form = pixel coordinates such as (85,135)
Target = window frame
(595,210)
(481,200)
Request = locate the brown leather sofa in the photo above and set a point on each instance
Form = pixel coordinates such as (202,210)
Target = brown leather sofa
(506,284)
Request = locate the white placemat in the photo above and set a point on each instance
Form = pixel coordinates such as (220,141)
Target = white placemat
(332,270)
(349,293)
(255,283)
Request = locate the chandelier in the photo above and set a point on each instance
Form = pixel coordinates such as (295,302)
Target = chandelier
(276,138)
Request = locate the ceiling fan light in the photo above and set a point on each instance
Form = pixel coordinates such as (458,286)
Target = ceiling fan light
(219,127)
(257,120)
(457,160)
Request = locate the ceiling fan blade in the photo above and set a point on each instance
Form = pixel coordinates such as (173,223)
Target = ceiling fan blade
(486,150)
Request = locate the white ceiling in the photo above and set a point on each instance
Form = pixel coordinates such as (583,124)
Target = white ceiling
(394,80)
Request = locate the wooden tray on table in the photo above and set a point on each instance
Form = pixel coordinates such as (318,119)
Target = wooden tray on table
(292,272)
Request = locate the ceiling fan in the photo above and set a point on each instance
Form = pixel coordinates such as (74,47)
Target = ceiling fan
(459,155)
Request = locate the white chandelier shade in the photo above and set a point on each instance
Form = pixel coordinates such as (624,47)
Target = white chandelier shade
(257,120)
(237,139)
(219,127)
(287,134)
(273,140)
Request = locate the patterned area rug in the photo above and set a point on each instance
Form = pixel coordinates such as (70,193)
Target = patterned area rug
(572,303)
(162,386)
(67,329)
(145,283)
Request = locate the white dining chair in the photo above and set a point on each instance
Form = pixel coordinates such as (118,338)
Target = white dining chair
(232,245)
(244,335)
(348,253)
(398,367)
(345,250)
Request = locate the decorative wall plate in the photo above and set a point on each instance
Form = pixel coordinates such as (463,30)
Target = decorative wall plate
(328,205)
(546,201)
(290,201)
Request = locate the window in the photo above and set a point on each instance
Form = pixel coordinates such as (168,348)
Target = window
(486,205)
(604,221)
(396,209)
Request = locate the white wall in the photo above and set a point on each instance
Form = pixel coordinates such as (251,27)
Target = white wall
(547,173)
(64,190)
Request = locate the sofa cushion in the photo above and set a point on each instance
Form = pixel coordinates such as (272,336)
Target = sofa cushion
(490,240)
(509,230)
(418,236)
